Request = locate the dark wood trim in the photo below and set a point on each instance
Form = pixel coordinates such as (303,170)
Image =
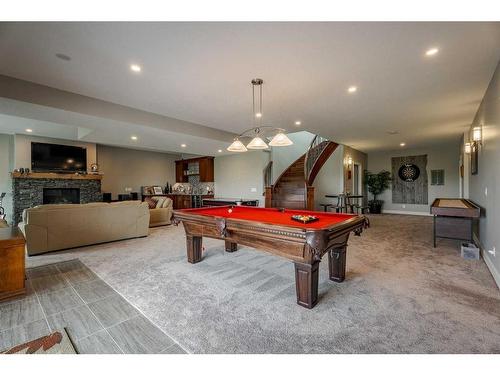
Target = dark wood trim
(306,283)
(231,247)
(327,152)
(194,248)
(268,196)
(337,264)
(57,176)
(310,198)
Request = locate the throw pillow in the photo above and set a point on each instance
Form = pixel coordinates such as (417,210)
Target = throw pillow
(151,202)
(167,203)
(160,201)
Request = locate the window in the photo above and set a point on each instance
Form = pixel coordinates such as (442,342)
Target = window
(437,177)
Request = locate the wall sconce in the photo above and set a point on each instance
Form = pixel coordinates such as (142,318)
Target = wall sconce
(477,134)
(467,148)
(349,164)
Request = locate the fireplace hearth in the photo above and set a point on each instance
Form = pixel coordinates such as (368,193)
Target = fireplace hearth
(61,195)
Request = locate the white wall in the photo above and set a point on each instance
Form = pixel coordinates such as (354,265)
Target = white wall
(22,149)
(484,188)
(6,167)
(126,168)
(445,156)
(283,157)
(236,175)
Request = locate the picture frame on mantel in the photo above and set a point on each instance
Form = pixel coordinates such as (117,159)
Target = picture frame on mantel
(473,158)
(157,190)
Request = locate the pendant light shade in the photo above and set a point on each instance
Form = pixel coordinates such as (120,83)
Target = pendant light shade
(257,144)
(237,146)
(280,139)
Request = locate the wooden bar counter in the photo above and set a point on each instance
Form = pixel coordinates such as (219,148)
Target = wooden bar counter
(11,263)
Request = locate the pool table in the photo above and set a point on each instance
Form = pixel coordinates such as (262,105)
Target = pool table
(274,231)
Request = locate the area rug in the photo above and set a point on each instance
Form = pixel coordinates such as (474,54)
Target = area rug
(57,342)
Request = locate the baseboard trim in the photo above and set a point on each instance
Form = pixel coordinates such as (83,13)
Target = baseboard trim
(491,267)
(416,213)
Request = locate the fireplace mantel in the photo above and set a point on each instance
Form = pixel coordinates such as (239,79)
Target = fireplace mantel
(58,176)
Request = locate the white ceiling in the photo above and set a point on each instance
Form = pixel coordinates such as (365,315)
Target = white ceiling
(201,72)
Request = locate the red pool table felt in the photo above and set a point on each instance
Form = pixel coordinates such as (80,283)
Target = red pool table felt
(272,215)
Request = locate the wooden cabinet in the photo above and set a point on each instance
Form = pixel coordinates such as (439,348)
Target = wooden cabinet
(179,171)
(11,263)
(205,167)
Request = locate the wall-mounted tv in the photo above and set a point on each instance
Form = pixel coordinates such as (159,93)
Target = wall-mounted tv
(46,157)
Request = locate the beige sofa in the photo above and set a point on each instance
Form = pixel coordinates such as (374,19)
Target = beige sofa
(62,226)
(162,213)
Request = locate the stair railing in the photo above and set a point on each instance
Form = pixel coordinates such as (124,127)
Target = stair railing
(316,148)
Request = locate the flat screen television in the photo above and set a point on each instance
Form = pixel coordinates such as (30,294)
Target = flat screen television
(46,157)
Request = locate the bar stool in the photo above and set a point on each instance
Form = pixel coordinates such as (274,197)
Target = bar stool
(326,206)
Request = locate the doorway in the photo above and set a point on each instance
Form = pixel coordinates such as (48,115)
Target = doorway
(356,181)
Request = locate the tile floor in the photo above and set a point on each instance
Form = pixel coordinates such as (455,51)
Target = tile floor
(99,320)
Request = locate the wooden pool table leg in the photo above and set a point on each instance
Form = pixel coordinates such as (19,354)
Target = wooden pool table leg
(231,246)
(337,263)
(193,248)
(306,283)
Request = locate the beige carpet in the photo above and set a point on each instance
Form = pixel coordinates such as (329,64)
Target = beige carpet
(400,295)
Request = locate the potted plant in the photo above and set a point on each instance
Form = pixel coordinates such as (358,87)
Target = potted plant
(377,183)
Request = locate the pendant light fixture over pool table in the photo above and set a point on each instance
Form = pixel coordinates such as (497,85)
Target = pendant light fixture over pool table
(257,143)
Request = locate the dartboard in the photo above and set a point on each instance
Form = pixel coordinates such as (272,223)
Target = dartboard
(409,172)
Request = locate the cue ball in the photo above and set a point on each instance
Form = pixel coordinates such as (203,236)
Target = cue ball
(230,210)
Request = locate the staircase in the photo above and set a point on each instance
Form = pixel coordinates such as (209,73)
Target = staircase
(293,189)
(289,191)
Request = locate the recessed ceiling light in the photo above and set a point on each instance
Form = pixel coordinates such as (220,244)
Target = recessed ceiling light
(392,132)
(431,51)
(352,89)
(135,68)
(219,150)
(134,138)
(402,144)
(29,130)
(183,145)
(298,123)
(62,56)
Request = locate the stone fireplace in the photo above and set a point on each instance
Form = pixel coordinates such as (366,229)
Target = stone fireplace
(33,189)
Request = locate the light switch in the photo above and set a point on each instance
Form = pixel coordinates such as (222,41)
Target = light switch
(253,190)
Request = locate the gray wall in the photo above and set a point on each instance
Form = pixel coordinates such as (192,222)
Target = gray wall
(484,188)
(236,175)
(127,168)
(22,149)
(6,166)
(444,156)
